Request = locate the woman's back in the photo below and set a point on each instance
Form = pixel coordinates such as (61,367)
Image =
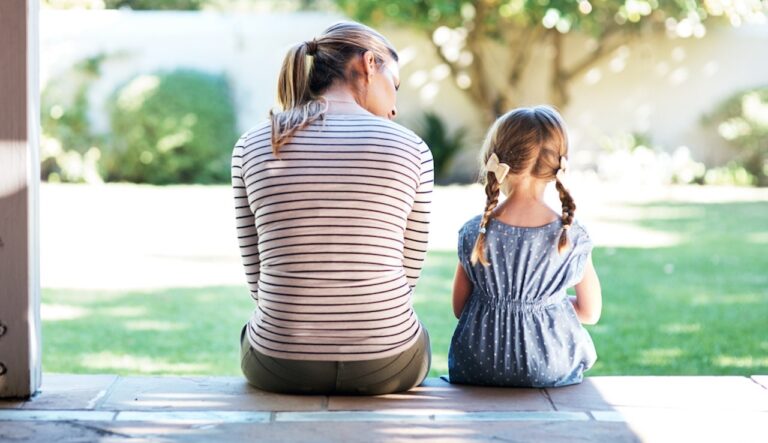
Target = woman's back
(322,232)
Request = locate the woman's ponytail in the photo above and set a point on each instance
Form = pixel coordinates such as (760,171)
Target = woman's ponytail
(293,82)
(300,108)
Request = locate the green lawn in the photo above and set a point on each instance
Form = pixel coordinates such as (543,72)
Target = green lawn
(698,307)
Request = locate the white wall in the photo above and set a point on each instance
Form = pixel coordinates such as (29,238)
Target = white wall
(657,86)
(662,87)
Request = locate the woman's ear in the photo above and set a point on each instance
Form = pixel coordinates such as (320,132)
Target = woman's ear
(369,65)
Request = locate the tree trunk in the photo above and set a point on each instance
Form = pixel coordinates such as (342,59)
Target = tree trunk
(491,102)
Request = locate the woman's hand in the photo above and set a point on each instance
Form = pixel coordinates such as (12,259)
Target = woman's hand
(462,288)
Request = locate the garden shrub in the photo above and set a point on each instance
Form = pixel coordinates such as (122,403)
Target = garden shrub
(444,145)
(69,148)
(635,158)
(742,120)
(171,127)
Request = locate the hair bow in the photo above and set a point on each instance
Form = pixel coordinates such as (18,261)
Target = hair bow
(500,170)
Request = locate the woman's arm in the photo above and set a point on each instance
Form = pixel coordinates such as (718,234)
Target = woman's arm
(588,301)
(462,288)
(417,226)
(247,239)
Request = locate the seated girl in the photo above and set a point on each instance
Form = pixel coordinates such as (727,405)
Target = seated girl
(517,326)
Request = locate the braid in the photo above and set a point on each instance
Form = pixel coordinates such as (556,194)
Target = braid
(569,207)
(492,199)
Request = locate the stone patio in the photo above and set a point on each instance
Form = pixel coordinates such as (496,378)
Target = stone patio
(106,408)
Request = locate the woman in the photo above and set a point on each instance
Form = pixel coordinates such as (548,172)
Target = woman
(332,203)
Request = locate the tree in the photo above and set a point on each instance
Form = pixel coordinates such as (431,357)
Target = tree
(462,33)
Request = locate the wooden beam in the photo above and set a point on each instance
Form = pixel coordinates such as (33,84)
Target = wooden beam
(20,363)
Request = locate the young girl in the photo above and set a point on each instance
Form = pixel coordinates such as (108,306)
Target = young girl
(517,326)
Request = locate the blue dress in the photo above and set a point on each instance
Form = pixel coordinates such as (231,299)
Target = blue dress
(518,327)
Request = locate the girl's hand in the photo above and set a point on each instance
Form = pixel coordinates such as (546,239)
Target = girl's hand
(462,288)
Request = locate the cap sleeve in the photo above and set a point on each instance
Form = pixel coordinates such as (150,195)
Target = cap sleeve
(464,246)
(581,247)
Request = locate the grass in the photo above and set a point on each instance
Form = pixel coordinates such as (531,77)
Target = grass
(696,307)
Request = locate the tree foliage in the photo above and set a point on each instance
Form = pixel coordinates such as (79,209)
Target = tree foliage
(186,5)
(463,31)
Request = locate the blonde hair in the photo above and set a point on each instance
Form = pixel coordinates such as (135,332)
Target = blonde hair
(528,140)
(310,67)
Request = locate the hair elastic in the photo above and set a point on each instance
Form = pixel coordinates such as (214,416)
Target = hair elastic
(562,167)
(311,46)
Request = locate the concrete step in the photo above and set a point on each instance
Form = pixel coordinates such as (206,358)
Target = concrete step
(174,408)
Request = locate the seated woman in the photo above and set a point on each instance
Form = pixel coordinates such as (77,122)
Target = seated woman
(332,203)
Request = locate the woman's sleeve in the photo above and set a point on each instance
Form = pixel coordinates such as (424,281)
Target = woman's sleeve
(247,238)
(417,227)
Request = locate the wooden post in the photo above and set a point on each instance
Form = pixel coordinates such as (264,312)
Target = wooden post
(20,363)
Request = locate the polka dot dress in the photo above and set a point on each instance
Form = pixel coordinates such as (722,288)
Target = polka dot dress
(518,327)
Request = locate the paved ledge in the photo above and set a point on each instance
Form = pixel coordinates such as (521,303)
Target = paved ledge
(629,408)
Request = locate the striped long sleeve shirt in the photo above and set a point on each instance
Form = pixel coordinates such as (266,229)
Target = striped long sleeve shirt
(333,235)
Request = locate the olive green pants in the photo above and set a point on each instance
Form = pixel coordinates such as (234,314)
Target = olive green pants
(367,377)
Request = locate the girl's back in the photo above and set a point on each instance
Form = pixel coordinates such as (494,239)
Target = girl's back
(518,327)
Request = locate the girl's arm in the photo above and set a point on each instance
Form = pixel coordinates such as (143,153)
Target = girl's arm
(462,288)
(588,301)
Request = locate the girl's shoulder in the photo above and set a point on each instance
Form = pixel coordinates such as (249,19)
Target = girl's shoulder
(471,226)
(468,234)
(579,229)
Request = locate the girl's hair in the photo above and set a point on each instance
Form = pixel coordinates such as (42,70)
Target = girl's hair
(528,140)
(311,67)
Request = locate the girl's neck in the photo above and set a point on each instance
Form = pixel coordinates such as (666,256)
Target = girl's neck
(526,206)
(525,189)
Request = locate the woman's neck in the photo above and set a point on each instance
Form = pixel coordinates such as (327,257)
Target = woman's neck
(341,100)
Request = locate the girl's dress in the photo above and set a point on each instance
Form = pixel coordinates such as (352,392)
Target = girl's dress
(518,327)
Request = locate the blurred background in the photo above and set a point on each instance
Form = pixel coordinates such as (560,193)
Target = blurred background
(667,108)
